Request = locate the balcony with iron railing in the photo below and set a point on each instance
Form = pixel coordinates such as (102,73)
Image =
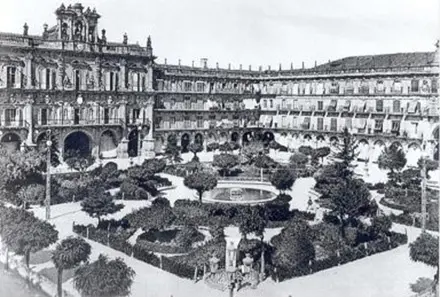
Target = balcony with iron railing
(81,122)
(13,124)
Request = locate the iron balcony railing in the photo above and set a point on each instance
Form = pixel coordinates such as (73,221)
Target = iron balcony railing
(81,122)
(14,124)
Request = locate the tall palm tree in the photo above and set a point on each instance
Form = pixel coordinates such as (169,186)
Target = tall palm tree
(68,254)
(104,278)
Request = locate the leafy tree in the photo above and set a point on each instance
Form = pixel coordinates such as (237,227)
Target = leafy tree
(54,152)
(201,182)
(425,249)
(144,176)
(225,162)
(321,153)
(347,154)
(68,254)
(264,162)
(381,225)
(252,219)
(294,249)
(299,160)
(306,150)
(158,216)
(78,161)
(430,165)
(33,193)
(393,159)
(253,150)
(104,278)
(348,199)
(283,178)
(195,148)
(99,204)
(212,146)
(172,152)
(18,170)
(29,235)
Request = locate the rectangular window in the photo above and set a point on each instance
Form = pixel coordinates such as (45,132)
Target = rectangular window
(158,121)
(264,103)
(135,114)
(333,124)
(54,80)
(199,122)
(379,105)
(10,114)
(334,88)
(10,80)
(270,103)
(44,116)
(378,126)
(116,86)
(306,123)
(76,116)
(187,122)
(172,122)
(320,105)
(187,103)
(365,88)
(395,126)
(106,115)
(396,106)
(47,79)
(187,86)
(77,80)
(200,87)
(138,82)
(380,87)
(415,85)
(320,124)
(434,85)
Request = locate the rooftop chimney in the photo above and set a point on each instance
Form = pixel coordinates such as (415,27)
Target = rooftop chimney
(192,63)
(125,39)
(204,63)
(165,61)
(179,62)
(280,67)
(268,67)
(291,66)
(25,29)
(241,67)
(260,68)
(316,63)
(250,67)
(303,65)
(229,66)
(216,65)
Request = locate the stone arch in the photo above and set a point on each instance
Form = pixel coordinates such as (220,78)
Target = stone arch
(247,137)
(363,149)
(307,137)
(108,144)
(11,142)
(133,143)
(235,137)
(185,140)
(77,142)
(436,152)
(413,154)
(172,139)
(436,133)
(334,141)
(320,141)
(223,137)
(211,138)
(377,149)
(268,136)
(199,139)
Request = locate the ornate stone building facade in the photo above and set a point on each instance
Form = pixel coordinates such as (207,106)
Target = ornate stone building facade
(113,100)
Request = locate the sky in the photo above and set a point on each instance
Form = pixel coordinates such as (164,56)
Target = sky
(251,32)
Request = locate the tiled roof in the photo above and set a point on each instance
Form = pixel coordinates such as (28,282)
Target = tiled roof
(416,59)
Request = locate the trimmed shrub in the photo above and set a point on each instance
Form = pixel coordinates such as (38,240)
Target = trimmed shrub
(178,268)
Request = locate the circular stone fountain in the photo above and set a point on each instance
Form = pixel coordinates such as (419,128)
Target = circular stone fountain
(239,194)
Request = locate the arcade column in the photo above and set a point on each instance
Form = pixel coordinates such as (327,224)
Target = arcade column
(27,116)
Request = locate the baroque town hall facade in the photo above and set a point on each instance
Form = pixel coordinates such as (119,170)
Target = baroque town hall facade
(113,100)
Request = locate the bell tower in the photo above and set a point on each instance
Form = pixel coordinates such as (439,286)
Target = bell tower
(77,24)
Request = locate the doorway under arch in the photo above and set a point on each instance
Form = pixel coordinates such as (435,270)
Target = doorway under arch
(11,142)
(77,143)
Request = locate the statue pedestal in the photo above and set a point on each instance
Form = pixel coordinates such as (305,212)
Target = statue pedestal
(148,148)
(122,150)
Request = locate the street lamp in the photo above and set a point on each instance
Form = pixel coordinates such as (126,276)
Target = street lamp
(139,128)
(424,202)
(48,157)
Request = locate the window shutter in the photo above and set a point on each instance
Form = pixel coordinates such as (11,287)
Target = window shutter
(107,81)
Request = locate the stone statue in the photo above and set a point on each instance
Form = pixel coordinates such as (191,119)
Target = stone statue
(213,263)
(231,257)
(247,264)
(64,34)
